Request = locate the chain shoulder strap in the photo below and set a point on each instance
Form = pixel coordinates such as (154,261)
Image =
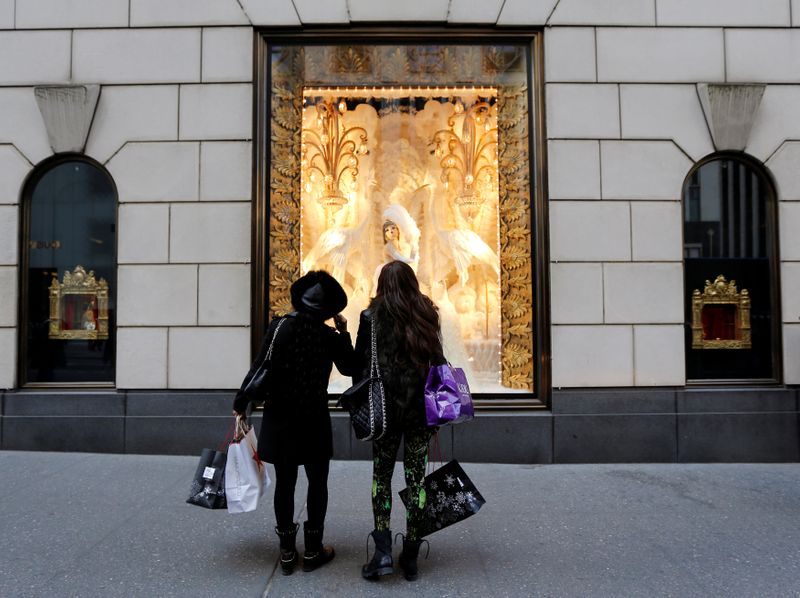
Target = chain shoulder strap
(272,342)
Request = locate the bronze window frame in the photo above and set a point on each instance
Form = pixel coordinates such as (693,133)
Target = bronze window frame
(534,39)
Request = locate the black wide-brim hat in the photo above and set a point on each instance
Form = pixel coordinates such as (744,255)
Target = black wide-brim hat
(318,294)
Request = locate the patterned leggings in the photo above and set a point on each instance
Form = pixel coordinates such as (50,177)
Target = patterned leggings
(415,460)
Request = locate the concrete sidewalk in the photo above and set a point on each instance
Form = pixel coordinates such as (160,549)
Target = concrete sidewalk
(117,525)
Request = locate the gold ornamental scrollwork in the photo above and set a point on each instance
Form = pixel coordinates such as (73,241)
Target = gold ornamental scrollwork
(284,191)
(78,306)
(721,316)
(515,238)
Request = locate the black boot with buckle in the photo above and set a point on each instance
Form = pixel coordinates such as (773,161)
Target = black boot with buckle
(408,556)
(315,554)
(381,562)
(288,549)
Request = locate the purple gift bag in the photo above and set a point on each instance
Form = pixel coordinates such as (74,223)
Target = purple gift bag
(447,396)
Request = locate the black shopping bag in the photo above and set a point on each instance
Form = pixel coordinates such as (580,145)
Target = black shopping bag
(450,497)
(208,485)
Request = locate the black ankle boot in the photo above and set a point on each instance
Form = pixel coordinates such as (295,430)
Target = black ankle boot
(408,557)
(288,550)
(381,562)
(315,554)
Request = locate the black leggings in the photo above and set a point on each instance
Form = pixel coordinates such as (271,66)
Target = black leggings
(316,501)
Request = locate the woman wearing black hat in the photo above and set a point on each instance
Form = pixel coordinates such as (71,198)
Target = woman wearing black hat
(296,426)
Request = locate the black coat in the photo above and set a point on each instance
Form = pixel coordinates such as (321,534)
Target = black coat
(403,382)
(296,427)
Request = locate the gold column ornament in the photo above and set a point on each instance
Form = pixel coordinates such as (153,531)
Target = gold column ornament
(721,316)
(470,157)
(330,153)
(78,306)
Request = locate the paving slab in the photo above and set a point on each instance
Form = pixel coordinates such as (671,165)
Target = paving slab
(77,524)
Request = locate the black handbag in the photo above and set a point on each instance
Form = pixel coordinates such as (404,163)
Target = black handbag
(450,497)
(257,388)
(208,485)
(366,400)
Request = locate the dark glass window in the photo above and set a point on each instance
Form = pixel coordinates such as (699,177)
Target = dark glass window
(729,230)
(70,229)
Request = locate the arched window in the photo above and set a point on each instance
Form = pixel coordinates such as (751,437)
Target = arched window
(730,271)
(69,273)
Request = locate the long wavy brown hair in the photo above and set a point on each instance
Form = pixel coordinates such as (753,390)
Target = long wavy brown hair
(416,318)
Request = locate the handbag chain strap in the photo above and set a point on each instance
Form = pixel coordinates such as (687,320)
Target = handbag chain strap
(272,342)
(375,371)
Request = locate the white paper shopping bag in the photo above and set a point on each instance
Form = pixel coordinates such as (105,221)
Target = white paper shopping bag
(246,477)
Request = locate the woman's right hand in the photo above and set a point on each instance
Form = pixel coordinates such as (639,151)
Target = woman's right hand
(340,322)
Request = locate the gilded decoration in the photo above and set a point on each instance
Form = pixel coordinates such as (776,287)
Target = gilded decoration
(381,160)
(78,306)
(721,316)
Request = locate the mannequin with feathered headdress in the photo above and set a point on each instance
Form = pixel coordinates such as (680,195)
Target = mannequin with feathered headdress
(400,239)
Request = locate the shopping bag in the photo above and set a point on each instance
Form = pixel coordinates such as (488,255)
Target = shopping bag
(246,477)
(450,497)
(447,396)
(208,485)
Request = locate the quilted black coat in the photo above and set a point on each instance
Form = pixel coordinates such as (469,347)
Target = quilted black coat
(404,383)
(296,426)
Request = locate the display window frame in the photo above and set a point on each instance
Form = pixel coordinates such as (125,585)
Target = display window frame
(773,252)
(265,39)
(29,184)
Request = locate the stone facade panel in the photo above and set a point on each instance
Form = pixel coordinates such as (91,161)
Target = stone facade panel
(224,295)
(410,10)
(132,113)
(143,234)
(141,358)
(603,12)
(766,56)
(276,12)
(167,171)
(659,356)
(569,54)
(58,14)
(331,11)
(589,356)
(643,293)
(657,231)
(728,13)
(13,170)
(136,56)
(783,165)
(789,224)
(216,111)
(210,232)
(573,169)
(8,357)
(582,111)
(791,353)
(467,11)
(34,57)
(21,123)
(156,295)
(576,293)
(9,218)
(660,55)
(790,292)
(642,169)
(227,54)
(8,296)
(208,357)
(157,13)
(226,171)
(525,12)
(666,112)
(590,231)
(777,119)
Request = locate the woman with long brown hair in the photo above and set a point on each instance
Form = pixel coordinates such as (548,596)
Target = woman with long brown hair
(408,339)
